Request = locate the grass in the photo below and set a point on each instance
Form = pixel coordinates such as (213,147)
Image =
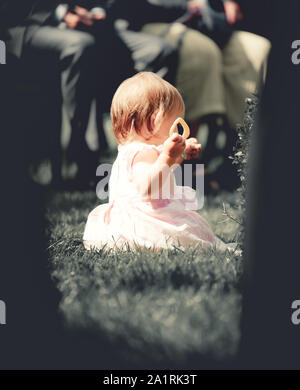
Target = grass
(171,308)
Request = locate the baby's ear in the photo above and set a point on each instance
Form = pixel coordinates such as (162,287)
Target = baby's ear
(149,125)
(156,118)
(153,120)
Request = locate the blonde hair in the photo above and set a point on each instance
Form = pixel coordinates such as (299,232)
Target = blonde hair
(137,99)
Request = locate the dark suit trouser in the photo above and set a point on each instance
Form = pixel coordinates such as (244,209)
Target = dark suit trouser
(52,51)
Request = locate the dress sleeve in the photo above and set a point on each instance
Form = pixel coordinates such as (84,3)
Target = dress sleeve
(133,152)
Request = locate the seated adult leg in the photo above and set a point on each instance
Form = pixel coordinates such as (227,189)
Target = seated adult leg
(72,54)
(243,57)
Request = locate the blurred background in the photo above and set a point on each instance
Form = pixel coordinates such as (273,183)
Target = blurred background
(66,59)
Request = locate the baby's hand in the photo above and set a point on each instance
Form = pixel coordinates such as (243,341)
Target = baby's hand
(192,148)
(173,147)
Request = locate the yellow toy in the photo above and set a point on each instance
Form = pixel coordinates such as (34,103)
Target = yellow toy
(186,129)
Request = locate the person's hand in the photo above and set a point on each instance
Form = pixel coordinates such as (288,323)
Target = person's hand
(194,6)
(173,147)
(192,148)
(89,17)
(82,15)
(71,20)
(233,12)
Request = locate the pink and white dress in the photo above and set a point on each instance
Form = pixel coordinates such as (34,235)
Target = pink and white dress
(131,220)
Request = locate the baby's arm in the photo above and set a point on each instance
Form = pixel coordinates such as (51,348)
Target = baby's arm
(152,171)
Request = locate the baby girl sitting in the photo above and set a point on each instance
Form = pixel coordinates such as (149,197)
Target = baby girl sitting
(139,214)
